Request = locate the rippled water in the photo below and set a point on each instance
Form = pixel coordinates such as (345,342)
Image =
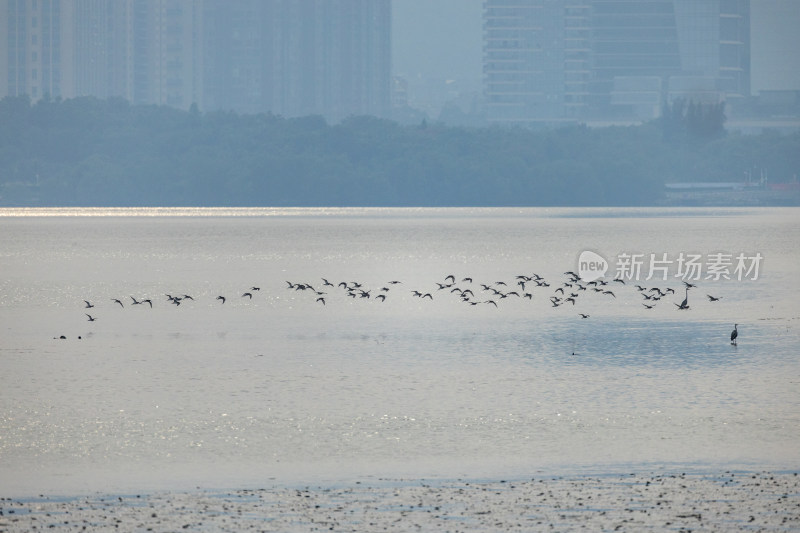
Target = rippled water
(282,387)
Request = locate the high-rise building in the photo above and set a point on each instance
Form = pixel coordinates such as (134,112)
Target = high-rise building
(288,57)
(31,54)
(293,58)
(554,60)
(775,41)
(146,51)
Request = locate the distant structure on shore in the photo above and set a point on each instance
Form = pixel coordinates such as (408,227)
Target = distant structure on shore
(290,58)
(610,62)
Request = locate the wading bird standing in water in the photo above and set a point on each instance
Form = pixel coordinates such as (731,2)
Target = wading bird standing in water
(685,302)
(734,334)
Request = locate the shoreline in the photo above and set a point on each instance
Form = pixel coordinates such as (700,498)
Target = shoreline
(727,500)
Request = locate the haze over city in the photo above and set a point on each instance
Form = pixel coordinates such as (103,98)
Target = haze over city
(399,265)
(357,82)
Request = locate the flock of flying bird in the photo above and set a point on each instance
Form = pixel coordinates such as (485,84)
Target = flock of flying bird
(568,292)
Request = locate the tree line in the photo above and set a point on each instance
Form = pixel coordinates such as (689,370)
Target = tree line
(92,152)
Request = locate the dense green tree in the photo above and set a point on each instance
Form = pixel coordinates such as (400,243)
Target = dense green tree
(87,151)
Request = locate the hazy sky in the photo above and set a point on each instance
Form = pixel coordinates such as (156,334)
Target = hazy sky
(443,39)
(437,38)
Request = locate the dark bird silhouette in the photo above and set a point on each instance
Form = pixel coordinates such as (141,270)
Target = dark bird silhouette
(115,300)
(427,295)
(689,285)
(147,301)
(583,316)
(88,304)
(248,295)
(609,292)
(92,319)
(648,306)
(734,334)
(187,297)
(326,282)
(685,302)
(713,298)
(221,298)
(321,300)
(381,297)
(450,277)
(136,302)
(255,288)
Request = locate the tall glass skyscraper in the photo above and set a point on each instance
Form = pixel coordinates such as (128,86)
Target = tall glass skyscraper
(554,60)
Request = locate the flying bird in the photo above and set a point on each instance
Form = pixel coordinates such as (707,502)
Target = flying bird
(221,298)
(88,304)
(115,300)
(247,294)
(713,298)
(92,319)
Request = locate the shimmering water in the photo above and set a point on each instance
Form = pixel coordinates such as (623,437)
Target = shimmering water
(283,388)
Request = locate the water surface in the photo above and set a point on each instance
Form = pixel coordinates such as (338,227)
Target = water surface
(281,387)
